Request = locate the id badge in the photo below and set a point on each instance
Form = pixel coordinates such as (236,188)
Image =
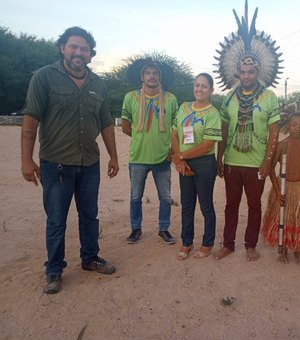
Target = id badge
(188,135)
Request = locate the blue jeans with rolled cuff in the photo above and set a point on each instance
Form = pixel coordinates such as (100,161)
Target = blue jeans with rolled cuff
(162,178)
(200,186)
(60,183)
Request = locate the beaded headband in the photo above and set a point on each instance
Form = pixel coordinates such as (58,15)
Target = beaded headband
(249,60)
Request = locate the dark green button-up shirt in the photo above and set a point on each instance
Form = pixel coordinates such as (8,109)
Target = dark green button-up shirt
(71,118)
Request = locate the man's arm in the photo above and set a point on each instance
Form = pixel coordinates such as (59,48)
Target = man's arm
(273,177)
(108,136)
(221,149)
(265,168)
(174,142)
(30,170)
(126,127)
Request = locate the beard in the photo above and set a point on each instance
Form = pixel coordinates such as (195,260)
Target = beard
(152,85)
(74,66)
(250,87)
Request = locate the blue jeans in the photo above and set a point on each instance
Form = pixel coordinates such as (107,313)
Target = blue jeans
(60,183)
(201,185)
(162,177)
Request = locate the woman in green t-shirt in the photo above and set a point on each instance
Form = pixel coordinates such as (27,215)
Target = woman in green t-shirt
(196,130)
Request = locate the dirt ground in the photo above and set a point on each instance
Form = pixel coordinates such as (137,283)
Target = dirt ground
(152,295)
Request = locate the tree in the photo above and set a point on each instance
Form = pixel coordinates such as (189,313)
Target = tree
(19,58)
(291,98)
(217,100)
(118,85)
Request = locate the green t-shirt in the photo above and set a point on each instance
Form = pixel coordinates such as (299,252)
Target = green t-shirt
(265,113)
(206,124)
(70,118)
(150,146)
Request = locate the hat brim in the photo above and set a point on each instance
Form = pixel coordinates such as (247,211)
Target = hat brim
(135,69)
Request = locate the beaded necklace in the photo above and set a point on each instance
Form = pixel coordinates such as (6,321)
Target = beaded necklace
(72,75)
(244,128)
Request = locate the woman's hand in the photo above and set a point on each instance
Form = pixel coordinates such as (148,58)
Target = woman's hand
(182,168)
(176,158)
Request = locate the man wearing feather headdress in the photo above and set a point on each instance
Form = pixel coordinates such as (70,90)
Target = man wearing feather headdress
(248,64)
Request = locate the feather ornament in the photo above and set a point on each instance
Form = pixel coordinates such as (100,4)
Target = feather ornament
(247,42)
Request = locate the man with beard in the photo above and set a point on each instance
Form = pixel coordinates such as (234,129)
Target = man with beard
(69,104)
(248,63)
(147,116)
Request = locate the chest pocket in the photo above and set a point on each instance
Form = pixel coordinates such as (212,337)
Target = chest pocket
(94,102)
(62,98)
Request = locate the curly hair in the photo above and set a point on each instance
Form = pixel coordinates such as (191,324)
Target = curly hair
(80,32)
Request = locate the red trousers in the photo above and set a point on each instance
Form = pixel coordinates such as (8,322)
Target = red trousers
(238,178)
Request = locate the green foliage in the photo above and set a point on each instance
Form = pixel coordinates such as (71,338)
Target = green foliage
(19,57)
(291,98)
(118,85)
(182,88)
(217,100)
(227,301)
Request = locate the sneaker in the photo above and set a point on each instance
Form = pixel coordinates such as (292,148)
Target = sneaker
(99,265)
(166,236)
(53,284)
(134,236)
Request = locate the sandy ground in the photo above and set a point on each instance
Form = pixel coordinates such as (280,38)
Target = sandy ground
(152,295)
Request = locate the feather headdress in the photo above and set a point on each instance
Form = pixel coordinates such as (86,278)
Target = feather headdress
(248,46)
(288,111)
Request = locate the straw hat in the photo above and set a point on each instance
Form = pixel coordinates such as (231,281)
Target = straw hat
(134,72)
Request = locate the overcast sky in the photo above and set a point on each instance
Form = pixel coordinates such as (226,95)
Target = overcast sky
(189,30)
